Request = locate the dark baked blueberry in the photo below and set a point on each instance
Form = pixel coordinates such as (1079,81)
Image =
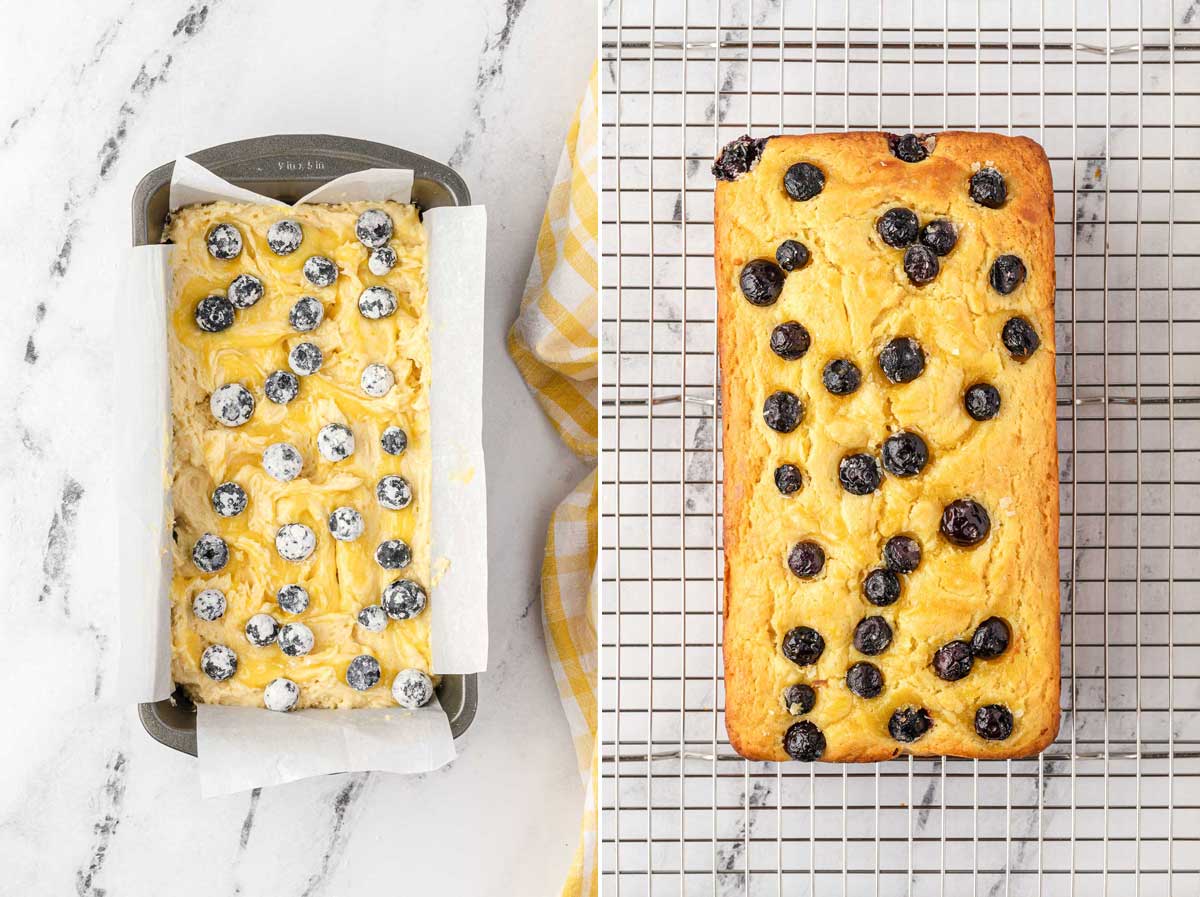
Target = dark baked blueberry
(803,181)
(295,542)
(292,598)
(305,359)
(381,260)
(792,255)
(218,662)
(864,679)
(295,639)
(231,404)
(306,314)
(262,630)
(841,377)
(803,741)
(803,646)
(881,587)
(859,474)
(940,235)
(394,441)
(281,695)
(412,689)
(1007,273)
(210,553)
(284,237)
(790,340)
(320,271)
(920,264)
(393,492)
(373,228)
(393,554)
(761,282)
(988,188)
(952,661)
(281,387)
(788,479)
(993,722)
(991,638)
(346,524)
(909,723)
(902,554)
(373,618)
(282,461)
(898,227)
(224,242)
(209,605)
(244,291)
(214,314)
(872,635)
(902,360)
(965,522)
(335,442)
(806,559)
(799,699)
(376,302)
(783,411)
(1020,338)
(229,500)
(904,454)
(403,599)
(363,673)
(910,147)
(737,158)
(982,401)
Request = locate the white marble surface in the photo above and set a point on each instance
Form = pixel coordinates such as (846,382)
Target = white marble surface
(95,95)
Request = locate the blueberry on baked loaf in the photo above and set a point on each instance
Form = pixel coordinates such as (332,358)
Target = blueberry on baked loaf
(738,158)
(909,723)
(965,522)
(982,401)
(993,722)
(940,235)
(859,474)
(872,635)
(987,187)
(783,411)
(803,645)
(865,680)
(953,661)
(792,255)
(788,479)
(1020,338)
(881,587)
(803,181)
(841,377)
(804,741)
(902,360)
(1006,274)
(898,227)
(991,638)
(806,559)
(902,554)
(905,454)
(912,147)
(790,340)
(761,282)
(799,699)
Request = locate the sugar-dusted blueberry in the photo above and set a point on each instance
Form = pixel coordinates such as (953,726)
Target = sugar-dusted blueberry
(953,661)
(737,158)
(987,188)
(393,492)
(803,741)
(320,271)
(803,645)
(1007,273)
(335,442)
(376,302)
(803,181)
(902,554)
(292,598)
(792,255)
(373,618)
(993,722)
(381,260)
(377,380)
(783,411)
(761,282)
(920,264)
(788,479)
(209,605)
(232,404)
(412,689)
(909,723)
(905,454)
(881,587)
(281,387)
(864,679)
(799,699)
(965,522)
(940,235)
(403,599)
(872,635)
(307,314)
(346,524)
(902,360)
(262,630)
(284,237)
(373,228)
(229,500)
(224,242)
(218,662)
(911,147)
(210,553)
(859,474)
(982,401)
(214,314)
(281,695)
(282,461)
(295,639)
(305,359)
(1020,338)
(394,441)
(363,673)
(393,554)
(898,227)
(991,638)
(841,377)
(790,340)
(295,542)
(806,559)
(244,291)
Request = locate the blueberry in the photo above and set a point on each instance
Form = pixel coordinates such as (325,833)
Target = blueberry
(281,387)
(376,302)
(244,291)
(282,461)
(292,598)
(761,282)
(306,314)
(283,237)
(373,618)
(803,181)
(320,271)
(224,242)
(218,662)
(898,227)
(393,554)
(902,554)
(305,359)
(940,235)
(210,553)
(783,411)
(864,679)
(394,441)
(952,661)
(209,605)
(920,264)
(738,158)
(965,522)
(902,360)
(988,188)
(1007,273)
(991,638)
(393,492)
(881,587)
(806,559)
(982,401)
(841,377)
(788,479)
(412,689)
(910,147)
(346,524)
(295,639)
(214,314)
(281,695)
(872,635)
(381,260)
(403,599)
(231,404)
(1020,338)
(904,454)
(261,630)
(859,474)
(373,228)
(803,646)
(993,722)
(792,255)
(803,741)
(909,724)
(295,542)
(363,673)
(229,500)
(790,340)
(799,699)
(335,442)
(377,380)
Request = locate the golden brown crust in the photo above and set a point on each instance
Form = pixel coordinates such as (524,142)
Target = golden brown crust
(853,297)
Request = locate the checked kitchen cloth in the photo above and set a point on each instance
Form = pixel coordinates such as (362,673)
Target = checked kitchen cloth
(553,343)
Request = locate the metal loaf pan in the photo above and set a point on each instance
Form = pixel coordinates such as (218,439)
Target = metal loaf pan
(286,167)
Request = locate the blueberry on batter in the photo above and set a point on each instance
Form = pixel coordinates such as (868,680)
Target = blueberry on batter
(283,237)
(335,442)
(363,672)
(218,662)
(281,387)
(282,461)
(394,441)
(281,695)
(224,242)
(393,554)
(803,741)
(902,360)
(244,291)
(214,314)
(295,542)
(373,618)
(261,630)
(307,314)
(403,599)
(376,302)
(229,500)
(393,492)
(412,689)
(320,271)
(295,639)
(292,598)
(373,228)
(345,524)
(231,404)
(209,605)
(305,359)
(381,260)
(210,553)
(377,380)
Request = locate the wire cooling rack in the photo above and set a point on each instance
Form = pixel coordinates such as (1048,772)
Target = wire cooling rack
(1112,91)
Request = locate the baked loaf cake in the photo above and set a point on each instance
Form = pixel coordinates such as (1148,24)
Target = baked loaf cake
(886,328)
(299,356)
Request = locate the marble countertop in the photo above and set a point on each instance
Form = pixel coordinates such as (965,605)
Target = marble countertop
(88,802)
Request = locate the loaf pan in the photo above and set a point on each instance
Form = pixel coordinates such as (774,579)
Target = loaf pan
(286,167)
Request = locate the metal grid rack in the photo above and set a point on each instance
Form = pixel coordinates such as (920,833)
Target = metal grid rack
(1112,91)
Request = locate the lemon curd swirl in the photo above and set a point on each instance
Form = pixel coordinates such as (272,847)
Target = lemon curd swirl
(340,577)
